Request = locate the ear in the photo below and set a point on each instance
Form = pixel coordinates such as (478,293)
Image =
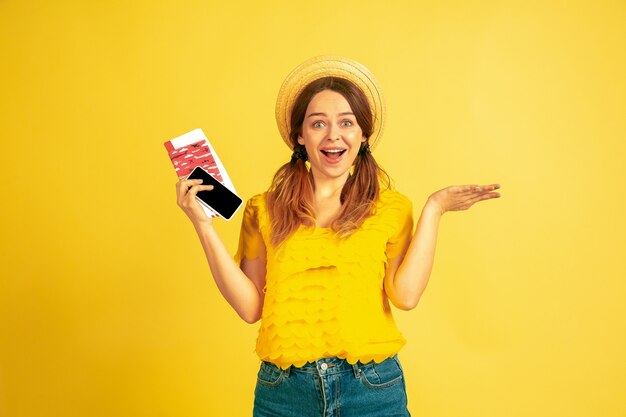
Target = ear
(363,138)
(300,140)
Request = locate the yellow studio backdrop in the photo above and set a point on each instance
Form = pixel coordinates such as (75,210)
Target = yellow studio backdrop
(107,304)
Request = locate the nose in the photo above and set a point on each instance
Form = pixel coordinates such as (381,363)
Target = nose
(333,132)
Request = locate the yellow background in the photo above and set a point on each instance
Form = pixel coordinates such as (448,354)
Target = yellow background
(107,305)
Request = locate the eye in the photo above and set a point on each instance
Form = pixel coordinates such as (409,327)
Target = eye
(319,123)
(347,123)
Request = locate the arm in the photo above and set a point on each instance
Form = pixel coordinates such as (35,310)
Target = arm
(241,287)
(406,276)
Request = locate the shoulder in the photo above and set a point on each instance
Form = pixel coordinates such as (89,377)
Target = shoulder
(391,199)
(393,212)
(256,211)
(257,201)
(394,209)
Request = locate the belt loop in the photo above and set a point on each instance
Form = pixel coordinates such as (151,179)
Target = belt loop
(286,371)
(357,370)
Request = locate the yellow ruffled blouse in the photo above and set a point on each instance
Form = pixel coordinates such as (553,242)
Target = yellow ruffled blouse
(324,295)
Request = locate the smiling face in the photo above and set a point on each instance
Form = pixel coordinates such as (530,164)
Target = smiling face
(331,135)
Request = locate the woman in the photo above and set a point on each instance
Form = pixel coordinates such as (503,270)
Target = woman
(323,251)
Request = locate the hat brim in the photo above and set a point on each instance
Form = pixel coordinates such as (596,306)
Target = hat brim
(329,66)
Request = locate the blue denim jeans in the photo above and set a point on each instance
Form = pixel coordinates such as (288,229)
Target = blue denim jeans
(331,387)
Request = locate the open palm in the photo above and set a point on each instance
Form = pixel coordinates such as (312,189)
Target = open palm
(462,197)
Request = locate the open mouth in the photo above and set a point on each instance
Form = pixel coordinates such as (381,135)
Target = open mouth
(333,153)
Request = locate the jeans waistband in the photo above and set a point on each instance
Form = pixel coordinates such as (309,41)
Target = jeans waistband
(327,366)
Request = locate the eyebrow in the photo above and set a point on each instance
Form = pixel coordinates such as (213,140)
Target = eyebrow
(324,114)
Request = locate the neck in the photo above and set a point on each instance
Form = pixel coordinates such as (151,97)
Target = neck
(326,187)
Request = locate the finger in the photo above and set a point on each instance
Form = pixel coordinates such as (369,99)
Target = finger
(469,189)
(195,183)
(184,185)
(480,189)
(491,187)
(190,183)
(487,196)
(190,197)
(193,190)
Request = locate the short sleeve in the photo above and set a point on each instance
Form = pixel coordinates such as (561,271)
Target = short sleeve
(251,244)
(401,210)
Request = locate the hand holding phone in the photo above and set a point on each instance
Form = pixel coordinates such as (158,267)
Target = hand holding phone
(220,199)
(186,191)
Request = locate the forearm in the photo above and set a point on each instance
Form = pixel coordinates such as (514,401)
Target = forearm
(413,273)
(238,290)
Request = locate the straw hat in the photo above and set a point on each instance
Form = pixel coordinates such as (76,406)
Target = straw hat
(327,66)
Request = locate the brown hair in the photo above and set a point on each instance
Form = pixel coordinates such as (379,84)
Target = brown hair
(290,197)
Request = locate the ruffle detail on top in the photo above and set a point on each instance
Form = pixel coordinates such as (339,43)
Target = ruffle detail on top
(324,296)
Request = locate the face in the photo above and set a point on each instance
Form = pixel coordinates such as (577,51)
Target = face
(331,135)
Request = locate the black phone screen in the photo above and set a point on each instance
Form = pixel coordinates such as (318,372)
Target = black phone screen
(220,198)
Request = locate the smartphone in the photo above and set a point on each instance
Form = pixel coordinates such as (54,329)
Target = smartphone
(220,199)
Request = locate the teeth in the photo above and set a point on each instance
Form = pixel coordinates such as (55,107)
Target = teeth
(334,150)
